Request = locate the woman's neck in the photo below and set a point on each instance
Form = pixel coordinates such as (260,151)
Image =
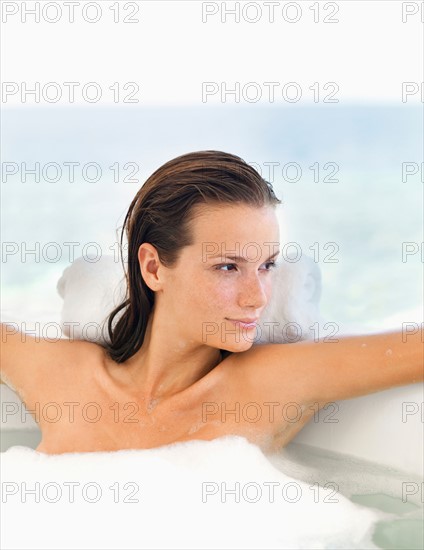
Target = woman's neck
(166,364)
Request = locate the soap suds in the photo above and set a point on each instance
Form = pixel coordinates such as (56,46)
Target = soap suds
(173,496)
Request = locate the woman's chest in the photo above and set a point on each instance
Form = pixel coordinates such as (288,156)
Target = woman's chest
(81,421)
(97,425)
(91,415)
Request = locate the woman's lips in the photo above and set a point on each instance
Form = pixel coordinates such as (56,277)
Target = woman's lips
(244,323)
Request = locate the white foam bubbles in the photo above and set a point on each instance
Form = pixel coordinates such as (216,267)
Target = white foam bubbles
(198,494)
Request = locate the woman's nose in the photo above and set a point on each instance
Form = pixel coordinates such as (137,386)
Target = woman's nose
(252,293)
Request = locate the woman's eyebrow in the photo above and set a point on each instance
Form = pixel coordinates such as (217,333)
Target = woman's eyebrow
(240,258)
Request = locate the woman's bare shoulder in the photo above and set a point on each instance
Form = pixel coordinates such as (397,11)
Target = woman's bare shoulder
(261,356)
(268,368)
(77,356)
(31,365)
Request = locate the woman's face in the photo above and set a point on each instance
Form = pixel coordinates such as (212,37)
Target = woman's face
(209,287)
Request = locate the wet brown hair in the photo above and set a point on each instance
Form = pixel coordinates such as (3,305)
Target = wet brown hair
(161,214)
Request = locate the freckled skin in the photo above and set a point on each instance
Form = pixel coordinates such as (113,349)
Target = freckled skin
(201,293)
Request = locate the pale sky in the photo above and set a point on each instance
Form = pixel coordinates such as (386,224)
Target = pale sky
(170,52)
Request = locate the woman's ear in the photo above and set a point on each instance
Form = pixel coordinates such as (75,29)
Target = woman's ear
(150,266)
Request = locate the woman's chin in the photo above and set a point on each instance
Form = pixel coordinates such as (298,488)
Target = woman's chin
(237,347)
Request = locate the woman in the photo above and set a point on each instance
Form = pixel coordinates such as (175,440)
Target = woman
(203,241)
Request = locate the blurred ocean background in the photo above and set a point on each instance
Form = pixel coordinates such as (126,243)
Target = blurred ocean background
(368,212)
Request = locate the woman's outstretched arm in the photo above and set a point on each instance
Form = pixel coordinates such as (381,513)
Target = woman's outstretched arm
(323,371)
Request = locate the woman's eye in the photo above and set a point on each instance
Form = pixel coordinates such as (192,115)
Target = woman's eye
(225,265)
(269,265)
